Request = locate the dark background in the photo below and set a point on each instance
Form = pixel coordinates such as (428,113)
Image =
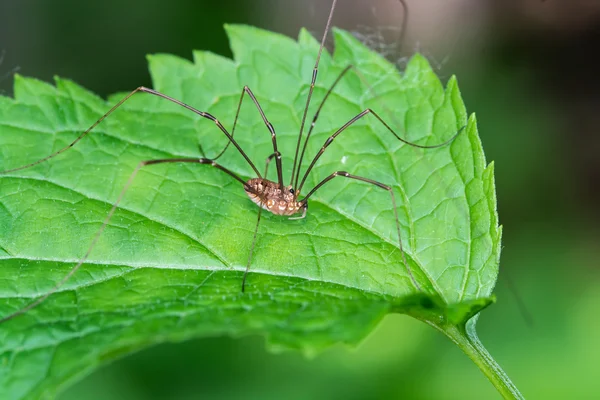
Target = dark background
(526,68)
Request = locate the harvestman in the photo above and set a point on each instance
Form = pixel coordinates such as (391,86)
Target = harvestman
(275,197)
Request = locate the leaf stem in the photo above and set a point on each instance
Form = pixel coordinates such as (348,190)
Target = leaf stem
(466,338)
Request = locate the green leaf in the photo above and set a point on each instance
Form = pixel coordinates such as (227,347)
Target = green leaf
(170,263)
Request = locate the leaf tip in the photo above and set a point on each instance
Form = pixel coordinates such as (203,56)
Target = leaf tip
(304,36)
(453,90)
(417,62)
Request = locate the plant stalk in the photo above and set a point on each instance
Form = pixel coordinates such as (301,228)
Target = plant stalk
(466,338)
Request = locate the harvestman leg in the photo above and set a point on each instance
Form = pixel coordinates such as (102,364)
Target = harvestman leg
(318,112)
(382,186)
(368,111)
(267,162)
(119,104)
(311,88)
(316,117)
(248,91)
(304,210)
(314,80)
(343,173)
(254,238)
(252,247)
(339,78)
(108,217)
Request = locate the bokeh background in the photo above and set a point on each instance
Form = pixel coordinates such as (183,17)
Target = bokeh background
(526,67)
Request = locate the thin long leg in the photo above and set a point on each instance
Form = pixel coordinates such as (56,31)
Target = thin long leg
(401,37)
(358,117)
(152,92)
(523,310)
(248,91)
(107,220)
(370,89)
(315,118)
(268,161)
(312,86)
(296,166)
(404,28)
(382,186)
(251,248)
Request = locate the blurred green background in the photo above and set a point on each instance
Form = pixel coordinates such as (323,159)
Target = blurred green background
(524,67)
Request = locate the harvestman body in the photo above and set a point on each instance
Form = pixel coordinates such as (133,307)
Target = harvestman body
(274,197)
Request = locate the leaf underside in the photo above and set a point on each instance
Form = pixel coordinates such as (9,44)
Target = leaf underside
(169,265)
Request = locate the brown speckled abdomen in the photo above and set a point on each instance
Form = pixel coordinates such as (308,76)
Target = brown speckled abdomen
(271,197)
